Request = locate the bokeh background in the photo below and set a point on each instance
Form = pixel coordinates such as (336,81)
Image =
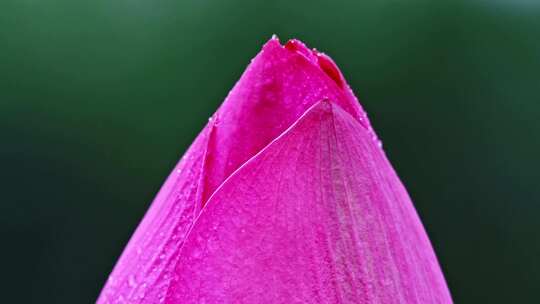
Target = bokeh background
(99,99)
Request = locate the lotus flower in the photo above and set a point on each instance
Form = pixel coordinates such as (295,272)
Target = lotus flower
(286,196)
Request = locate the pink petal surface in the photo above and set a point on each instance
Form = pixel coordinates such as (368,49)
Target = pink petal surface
(277,88)
(318,216)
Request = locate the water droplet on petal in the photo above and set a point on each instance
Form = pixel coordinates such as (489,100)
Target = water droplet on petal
(132,281)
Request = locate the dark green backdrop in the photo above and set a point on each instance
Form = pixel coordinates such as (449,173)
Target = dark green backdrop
(98,100)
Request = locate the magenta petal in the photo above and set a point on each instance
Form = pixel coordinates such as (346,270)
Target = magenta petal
(318,216)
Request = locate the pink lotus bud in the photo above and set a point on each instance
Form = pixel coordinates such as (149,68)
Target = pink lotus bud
(286,196)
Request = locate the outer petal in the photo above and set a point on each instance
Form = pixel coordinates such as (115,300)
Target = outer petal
(318,216)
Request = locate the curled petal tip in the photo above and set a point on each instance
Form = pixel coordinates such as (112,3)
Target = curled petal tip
(330,68)
(323,61)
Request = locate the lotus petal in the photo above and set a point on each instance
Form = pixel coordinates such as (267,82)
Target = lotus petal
(318,216)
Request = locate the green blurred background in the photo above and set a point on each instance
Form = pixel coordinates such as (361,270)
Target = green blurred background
(99,99)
